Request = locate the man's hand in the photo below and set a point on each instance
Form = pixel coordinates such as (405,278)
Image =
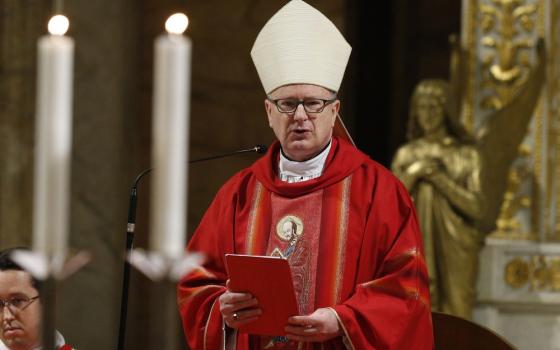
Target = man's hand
(238,308)
(322,325)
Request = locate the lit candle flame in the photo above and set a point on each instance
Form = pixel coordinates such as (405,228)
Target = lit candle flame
(58,25)
(177,23)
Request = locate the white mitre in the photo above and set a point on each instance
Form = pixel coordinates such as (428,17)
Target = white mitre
(299,45)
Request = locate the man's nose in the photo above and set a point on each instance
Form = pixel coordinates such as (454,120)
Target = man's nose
(7,313)
(300,113)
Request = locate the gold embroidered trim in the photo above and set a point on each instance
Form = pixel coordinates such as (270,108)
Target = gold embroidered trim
(207,322)
(253,219)
(342,230)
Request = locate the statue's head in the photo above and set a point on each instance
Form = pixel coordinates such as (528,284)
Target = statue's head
(431,109)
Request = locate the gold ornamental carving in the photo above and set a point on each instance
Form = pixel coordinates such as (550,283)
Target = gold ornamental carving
(508,224)
(517,273)
(539,272)
(507,28)
(554,102)
(508,31)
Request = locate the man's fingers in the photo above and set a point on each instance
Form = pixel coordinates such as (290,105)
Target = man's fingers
(229,299)
(227,308)
(240,318)
(245,304)
(232,298)
(242,315)
(301,330)
(300,321)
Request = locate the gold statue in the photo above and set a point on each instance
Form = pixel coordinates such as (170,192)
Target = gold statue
(456,179)
(440,167)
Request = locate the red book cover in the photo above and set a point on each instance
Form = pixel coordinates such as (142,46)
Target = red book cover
(268,279)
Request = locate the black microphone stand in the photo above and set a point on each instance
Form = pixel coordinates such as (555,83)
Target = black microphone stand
(131,225)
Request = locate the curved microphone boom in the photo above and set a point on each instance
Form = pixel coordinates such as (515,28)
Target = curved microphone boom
(257,149)
(131,225)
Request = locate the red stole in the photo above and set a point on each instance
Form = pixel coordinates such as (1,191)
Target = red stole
(310,231)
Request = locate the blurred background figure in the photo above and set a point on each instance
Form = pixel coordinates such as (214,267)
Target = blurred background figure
(20,306)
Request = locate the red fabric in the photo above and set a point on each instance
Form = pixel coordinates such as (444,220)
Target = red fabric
(370,267)
(65,347)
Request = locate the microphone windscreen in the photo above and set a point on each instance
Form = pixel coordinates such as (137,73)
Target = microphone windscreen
(260,149)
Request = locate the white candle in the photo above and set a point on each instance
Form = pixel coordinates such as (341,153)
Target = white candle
(170,139)
(53,140)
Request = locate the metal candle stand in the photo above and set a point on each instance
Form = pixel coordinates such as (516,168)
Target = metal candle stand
(165,272)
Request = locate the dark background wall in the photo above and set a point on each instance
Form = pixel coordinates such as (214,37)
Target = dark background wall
(395,44)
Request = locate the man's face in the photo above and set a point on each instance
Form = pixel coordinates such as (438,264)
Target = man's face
(20,327)
(302,135)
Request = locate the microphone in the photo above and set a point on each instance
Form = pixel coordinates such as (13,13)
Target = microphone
(257,149)
(131,225)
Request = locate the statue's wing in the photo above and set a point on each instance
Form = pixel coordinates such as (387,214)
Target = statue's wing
(458,73)
(499,139)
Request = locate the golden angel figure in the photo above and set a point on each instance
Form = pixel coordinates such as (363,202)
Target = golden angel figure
(441,167)
(458,181)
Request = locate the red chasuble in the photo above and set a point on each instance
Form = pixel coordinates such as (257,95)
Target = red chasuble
(352,240)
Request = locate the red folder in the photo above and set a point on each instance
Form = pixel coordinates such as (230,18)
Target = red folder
(268,279)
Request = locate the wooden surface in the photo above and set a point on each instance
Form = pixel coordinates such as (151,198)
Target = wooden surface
(455,333)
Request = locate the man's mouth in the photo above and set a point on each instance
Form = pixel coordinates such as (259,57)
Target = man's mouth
(300,131)
(11,331)
(299,134)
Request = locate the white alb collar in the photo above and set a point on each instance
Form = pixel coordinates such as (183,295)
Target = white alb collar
(292,171)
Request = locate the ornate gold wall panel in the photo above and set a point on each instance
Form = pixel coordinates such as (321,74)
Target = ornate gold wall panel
(500,36)
(469,42)
(537,273)
(536,179)
(554,232)
(506,27)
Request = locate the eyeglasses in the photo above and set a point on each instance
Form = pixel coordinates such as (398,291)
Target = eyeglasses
(311,105)
(16,304)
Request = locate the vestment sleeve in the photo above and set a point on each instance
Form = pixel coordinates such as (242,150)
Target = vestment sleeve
(198,292)
(390,306)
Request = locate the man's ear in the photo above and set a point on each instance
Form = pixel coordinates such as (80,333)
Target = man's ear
(268,108)
(335,108)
